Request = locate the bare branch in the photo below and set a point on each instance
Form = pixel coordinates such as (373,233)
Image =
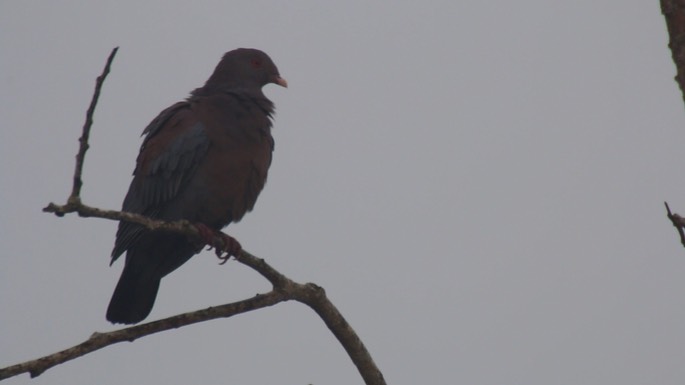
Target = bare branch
(83,140)
(314,296)
(284,289)
(317,300)
(100,340)
(183,227)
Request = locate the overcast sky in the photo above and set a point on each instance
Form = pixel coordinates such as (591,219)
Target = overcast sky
(478,185)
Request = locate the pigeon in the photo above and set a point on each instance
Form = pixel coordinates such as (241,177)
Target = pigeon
(204,160)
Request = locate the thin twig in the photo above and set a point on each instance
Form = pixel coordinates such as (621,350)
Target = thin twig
(83,140)
(677,221)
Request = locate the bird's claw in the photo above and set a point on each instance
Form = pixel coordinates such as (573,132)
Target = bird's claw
(230,246)
(224,245)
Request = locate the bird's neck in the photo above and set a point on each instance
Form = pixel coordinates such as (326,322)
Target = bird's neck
(243,95)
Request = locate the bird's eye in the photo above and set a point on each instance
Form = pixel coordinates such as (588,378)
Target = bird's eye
(256,63)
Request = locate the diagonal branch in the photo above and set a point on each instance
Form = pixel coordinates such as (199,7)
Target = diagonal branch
(284,289)
(100,340)
(314,296)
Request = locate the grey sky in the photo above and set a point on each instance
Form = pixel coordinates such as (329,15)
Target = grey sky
(478,186)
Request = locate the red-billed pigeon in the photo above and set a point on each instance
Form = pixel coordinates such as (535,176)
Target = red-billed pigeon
(204,160)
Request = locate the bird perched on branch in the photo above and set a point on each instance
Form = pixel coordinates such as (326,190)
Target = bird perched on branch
(204,160)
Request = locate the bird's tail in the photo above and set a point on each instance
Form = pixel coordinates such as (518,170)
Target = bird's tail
(133,297)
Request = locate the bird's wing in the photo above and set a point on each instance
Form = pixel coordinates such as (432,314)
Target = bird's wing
(175,144)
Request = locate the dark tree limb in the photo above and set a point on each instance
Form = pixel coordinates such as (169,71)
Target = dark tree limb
(284,289)
(674,13)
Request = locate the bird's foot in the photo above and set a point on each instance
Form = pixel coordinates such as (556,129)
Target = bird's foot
(224,245)
(230,246)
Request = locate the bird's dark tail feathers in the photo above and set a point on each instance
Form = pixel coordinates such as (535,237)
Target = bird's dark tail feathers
(133,297)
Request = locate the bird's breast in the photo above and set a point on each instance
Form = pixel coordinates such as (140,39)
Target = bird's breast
(235,168)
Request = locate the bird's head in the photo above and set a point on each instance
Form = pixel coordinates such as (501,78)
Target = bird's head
(245,68)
